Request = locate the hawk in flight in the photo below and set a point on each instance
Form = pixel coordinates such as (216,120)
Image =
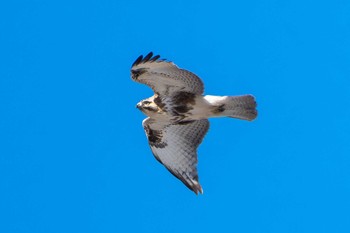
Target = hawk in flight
(178,114)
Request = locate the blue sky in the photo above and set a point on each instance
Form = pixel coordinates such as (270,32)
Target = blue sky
(73,154)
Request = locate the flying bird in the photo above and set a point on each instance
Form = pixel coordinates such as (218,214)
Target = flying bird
(178,112)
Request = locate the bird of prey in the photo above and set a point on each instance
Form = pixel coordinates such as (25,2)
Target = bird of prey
(178,114)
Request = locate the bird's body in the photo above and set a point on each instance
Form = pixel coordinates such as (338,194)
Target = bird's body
(178,112)
(196,107)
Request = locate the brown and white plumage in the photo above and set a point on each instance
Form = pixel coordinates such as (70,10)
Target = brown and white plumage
(177,114)
(175,146)
(164,77)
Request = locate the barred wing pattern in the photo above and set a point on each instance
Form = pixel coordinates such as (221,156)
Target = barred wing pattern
(175,146)
(164,77)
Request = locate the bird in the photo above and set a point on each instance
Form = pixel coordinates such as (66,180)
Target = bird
(178,112)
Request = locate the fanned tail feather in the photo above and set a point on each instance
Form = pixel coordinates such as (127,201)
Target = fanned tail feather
(241,107)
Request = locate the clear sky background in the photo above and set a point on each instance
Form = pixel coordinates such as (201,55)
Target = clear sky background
(74,156)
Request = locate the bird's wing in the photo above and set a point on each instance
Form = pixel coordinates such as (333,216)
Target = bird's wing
(175,146)
(164,77)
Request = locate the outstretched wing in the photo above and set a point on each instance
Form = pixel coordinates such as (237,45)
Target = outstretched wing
(175,146)
(164,77)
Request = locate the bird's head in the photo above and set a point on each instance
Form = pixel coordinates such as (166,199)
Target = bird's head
(147,106)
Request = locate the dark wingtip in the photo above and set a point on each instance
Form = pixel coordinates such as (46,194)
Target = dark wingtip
(155,58)
(148,58)
(137,61)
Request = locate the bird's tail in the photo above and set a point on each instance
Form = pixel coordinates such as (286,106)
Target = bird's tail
(241,107)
